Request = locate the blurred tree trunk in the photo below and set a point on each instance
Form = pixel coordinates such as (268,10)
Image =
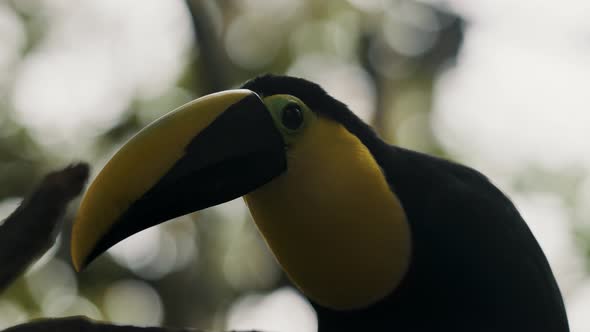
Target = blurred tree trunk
(212,60)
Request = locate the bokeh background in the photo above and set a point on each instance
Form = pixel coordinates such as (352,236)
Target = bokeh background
(500,85)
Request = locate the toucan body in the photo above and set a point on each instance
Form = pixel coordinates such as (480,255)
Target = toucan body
(377,237)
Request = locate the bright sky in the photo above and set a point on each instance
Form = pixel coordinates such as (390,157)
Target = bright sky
(96,57)
(518,99)
(520,93)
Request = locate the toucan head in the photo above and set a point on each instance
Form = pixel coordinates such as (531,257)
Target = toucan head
(315,191)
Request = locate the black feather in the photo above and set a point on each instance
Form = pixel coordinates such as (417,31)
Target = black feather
(475,266)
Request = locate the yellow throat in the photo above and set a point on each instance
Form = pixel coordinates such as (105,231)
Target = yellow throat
(332,221)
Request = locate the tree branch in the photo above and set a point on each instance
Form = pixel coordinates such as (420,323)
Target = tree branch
(84,324)
(81,323)
(30,230)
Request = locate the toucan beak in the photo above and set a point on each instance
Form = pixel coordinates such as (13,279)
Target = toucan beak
(209,151)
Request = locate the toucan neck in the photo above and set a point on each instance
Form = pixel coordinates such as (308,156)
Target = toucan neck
(332,221)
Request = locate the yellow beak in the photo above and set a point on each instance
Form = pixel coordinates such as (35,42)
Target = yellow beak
(211,150)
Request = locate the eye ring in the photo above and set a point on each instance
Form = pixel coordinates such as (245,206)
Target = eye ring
(292,116)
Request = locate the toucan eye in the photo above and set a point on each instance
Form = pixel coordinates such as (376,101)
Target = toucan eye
(292,116)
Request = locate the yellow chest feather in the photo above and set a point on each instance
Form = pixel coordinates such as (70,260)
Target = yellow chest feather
(332,221)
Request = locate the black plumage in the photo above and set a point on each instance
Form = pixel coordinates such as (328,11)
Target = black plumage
(475,264)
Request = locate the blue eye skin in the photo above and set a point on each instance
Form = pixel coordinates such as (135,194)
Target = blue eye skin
(292,116)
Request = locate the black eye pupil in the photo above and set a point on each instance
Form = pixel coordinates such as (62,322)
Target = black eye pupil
(292,117)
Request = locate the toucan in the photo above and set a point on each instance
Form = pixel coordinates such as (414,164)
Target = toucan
(377,237)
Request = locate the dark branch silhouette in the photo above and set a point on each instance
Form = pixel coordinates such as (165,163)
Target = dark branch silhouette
(81,323)
(30,230)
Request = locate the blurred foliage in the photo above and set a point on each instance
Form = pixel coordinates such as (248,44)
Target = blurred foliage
(78,78)
(196,270)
